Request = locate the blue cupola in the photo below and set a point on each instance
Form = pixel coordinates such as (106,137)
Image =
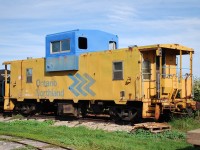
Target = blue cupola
(63,49)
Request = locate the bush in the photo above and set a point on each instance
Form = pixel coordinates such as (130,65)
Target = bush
(196,88)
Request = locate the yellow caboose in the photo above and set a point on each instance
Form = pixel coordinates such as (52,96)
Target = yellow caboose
(85,72)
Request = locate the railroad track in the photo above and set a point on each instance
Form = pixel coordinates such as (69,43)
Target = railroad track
(101,122)
(13,142)
(52,117)
(89,118)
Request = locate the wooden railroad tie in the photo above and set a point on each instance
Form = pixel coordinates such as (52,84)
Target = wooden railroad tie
(193,137)
(153,127)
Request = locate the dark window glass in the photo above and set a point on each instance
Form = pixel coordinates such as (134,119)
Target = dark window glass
(117,71)
(117,66)
(29,75)
(146,69)
(65,45)
(82,43)
(60,46)
(55,46)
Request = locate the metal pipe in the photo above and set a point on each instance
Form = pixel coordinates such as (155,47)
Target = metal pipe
(180,65)
(160,77)
(142,83)
(6,81)
(141,76)
(191,69)
(186,86)
(180,75)
(158,85)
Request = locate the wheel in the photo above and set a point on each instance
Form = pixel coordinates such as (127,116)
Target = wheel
(114,115)
(136,115)
(166,116)
(83,111)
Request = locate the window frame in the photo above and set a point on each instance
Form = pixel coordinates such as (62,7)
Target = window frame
(60,46)
(146,75)
(28,76)
(114,71)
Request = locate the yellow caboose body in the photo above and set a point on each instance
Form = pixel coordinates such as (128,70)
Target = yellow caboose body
(134,82)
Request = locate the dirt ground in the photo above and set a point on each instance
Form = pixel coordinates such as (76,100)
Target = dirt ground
(96,125)
(107,126)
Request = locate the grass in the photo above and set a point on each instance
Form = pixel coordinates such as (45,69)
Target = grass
(185,124)
(26,148)
(82,138)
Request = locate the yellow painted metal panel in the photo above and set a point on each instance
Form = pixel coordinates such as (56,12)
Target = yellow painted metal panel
(94,79)
(186,87)
(95,67)
(16,78)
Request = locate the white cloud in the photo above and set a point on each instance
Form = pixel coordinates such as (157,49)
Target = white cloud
(121,12)
(24,24)
(37,9)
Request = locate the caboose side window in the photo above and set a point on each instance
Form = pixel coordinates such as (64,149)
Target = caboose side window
(117,70)
(82,43)
(60,46)
(146,69)
(112,45)
(29,74)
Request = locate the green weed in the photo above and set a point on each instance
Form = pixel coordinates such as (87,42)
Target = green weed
(83,138)
(173,135)
(185,124)
(26,148)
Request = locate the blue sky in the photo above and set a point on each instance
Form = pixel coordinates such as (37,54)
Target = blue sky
(25,23)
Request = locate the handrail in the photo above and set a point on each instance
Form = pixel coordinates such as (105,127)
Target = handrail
(174,78)
(175,67)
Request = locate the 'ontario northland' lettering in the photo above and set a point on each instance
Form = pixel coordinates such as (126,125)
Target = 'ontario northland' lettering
(45,90)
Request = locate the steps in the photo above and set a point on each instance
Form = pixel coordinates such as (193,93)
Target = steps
(154,111)
(151,111)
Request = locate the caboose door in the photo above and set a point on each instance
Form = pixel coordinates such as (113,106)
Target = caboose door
(148,74)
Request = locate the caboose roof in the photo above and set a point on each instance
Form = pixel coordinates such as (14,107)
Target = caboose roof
(175,47)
